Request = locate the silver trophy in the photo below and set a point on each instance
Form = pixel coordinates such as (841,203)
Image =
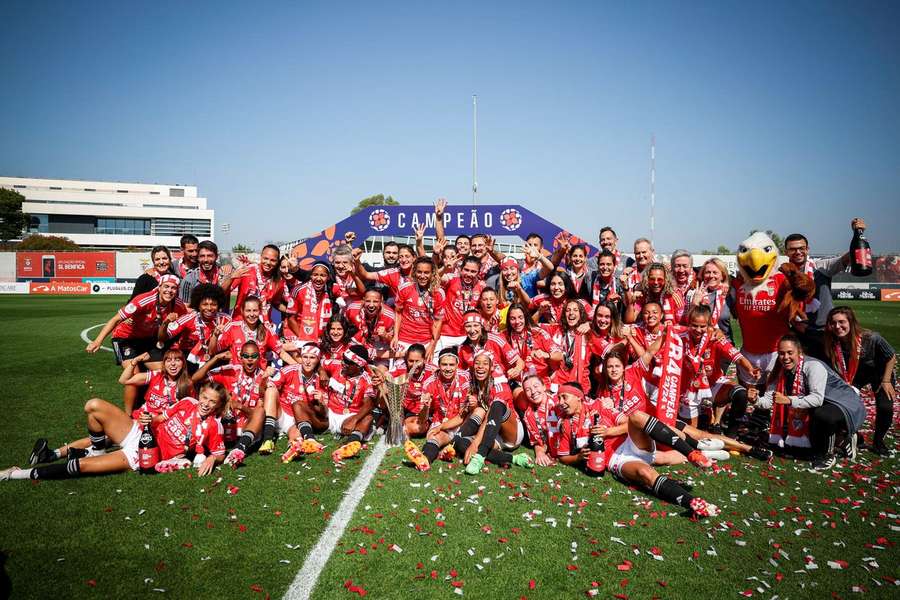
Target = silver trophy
(394,391)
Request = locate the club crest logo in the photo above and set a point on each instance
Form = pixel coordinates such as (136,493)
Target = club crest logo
(510,219)
(379,219)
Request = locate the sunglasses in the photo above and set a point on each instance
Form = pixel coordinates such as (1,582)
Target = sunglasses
(254,355)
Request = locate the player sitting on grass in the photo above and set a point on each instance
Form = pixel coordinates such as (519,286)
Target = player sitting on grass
(189,428)
(246,383)
(447,394)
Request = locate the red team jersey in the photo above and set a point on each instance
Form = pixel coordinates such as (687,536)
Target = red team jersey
(392,278)
(418,312)
(161,394)
(448,399)
(575,347)
(761,323)
(192,334)
(367,332)
(714,354)
(293,386)
(631,395)
(143,315)
(311,310)
(254,283)
(412,402)
(503,356)
(347,395)
(184,430)
(568,435)
(556,307)
(525,344)
(245,388)
(541,420)
(459,299)
(237,334)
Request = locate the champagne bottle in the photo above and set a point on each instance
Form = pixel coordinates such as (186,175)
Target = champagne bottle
(148,450)
(596,459)
(860,255)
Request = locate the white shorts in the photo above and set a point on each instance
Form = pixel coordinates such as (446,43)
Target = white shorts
(520,435)
(286,420)
(434,428)
(765,362)
(336,421)
(446,341)
(130,446)
(629,452)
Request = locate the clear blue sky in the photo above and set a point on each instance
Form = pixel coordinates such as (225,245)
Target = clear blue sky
(767,115)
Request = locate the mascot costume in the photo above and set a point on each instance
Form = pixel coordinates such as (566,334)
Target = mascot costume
(765,299)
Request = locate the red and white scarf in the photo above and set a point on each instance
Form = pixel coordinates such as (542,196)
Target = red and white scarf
(790,426)
(848,371)
(698,390)
(671,357)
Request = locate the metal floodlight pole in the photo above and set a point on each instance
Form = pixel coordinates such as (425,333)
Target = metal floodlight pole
(474,149)
(652,187)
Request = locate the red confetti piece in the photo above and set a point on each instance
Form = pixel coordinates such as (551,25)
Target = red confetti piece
(91,583)
(572,567)
(242,528)
(532,584)
(256,588)
(457,584)
(625,566)
(232,490)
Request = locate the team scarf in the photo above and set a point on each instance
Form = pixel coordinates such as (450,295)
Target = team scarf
(542,419)
(698,390)
(199,354)
(602,289)
(790,426)
(213,278)
(492,324)
(671,356)
(634,278)
(314,318)
(264,290)
(445,393)
(845,370)
(683,289)
(577,279)
(367,326)
(716,306)
(574,353)
(244,385)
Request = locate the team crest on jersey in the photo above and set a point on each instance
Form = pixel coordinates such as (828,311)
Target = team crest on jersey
(379,219)
(510,219)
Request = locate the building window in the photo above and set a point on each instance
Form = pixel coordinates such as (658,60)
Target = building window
(178,227)
(123,226)
(176,192)
(38,224)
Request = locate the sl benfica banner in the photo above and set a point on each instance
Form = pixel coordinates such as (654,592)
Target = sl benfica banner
(671,355)
(65,265)
(495,220)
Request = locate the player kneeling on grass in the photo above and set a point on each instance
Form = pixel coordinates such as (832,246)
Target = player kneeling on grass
(417,372)
(289,395)
(246,383)
(186,430)
(446,392)
(630,445)
(351,399)
(493,429)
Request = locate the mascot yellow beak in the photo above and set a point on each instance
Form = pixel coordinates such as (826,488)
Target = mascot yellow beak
(757,257)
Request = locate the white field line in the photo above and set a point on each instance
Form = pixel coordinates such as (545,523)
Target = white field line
(305,581)
(87,340)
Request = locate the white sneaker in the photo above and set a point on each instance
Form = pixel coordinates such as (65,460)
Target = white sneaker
(710,444)
(716,454)
(5,473)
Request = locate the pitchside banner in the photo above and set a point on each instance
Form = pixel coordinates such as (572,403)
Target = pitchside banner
(494,220)
(65,265)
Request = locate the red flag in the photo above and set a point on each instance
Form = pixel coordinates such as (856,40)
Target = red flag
(670,354)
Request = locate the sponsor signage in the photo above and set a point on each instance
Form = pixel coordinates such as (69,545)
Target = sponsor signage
(856,294)
(59,287)
(111,288)
(494,220)
(65,265)
(890,294)
(13,287)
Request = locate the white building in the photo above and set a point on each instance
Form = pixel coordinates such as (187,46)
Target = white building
(111,215)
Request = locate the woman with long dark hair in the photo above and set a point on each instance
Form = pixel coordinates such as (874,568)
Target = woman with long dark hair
(862,357)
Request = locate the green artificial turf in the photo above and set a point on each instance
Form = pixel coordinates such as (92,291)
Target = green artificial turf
(128,535)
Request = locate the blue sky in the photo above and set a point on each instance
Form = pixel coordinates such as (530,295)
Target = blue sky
(775,115)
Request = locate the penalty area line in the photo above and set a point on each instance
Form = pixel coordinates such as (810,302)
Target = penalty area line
(305,581)
(87,340)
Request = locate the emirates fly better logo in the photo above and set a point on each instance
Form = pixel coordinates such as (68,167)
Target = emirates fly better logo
(510,219)
(379,219)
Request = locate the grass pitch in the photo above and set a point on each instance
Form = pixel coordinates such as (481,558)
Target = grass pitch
(506,533)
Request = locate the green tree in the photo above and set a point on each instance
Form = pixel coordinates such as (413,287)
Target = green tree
(722,249)
(376,200)
(37,242)
(242,249)
(12,220)
(779,241)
